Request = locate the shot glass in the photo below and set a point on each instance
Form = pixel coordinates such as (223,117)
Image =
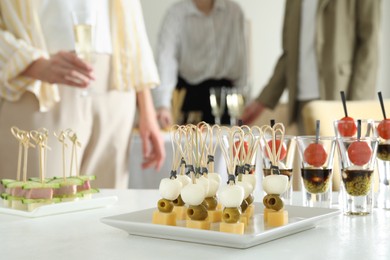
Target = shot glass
(285,162)
(317,155)
(357,161)
(382,132)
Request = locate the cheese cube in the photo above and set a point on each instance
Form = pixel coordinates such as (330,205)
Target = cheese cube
(235,228)
(163,218)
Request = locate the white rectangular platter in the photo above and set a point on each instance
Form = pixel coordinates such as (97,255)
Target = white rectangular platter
(300,219)
(62,207)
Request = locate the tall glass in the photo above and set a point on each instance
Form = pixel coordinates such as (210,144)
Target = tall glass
(382,132)
(357,159)
(316,169)
(235,105)
(285,163)
(218,103)
(84,22)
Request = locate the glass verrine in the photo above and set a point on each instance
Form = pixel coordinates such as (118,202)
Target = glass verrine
(285,162)
(84,24)
(317,155)
(357,161)
(349,128)
(382,132)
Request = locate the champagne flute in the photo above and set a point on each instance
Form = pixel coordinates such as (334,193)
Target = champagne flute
(218,103)
(84,22)
(235,104)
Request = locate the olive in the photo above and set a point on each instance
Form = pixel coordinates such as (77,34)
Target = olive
(244,206)
(250,199)
(210,203)
(231,215)
(178,202)
(265,201)
(165,205)
(197,212)
(274,202)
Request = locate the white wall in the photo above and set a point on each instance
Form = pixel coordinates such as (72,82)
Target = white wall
(266,17)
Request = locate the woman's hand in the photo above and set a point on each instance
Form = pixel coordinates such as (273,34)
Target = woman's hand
(152,141)
(62,68)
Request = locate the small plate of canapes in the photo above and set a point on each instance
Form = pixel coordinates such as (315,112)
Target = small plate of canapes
(36,196)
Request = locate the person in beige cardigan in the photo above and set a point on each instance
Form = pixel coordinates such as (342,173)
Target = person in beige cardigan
(338,51)
(41,81)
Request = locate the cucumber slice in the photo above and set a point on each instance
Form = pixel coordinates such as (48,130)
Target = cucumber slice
(90,191)
(87,177)
(68,181)
(29,201)
(77,195)
(39,180)
(15,184)
(36,185)
(9,197)
(4,196)
(6,181)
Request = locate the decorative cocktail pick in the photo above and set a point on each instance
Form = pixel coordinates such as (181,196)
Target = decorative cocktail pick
(16,132)
(40,138)
(62,139)
(25,140)
(274,148)
(75,142)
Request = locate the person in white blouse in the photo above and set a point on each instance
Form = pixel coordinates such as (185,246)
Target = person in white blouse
(201,45)
(41,79)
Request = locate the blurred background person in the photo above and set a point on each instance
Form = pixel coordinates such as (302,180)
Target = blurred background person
(41,81)
(328,47)
(201,45)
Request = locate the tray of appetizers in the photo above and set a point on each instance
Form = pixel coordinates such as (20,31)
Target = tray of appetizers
(96,201)
(256,231)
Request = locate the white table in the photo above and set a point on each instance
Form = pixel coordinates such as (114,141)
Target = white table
(81,235)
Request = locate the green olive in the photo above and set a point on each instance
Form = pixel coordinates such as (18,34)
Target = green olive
(231,215)
(165,205)
(274,202)
(210,203)
(178,202)
(265,201)
(197,212)
(250,199)
(244,206)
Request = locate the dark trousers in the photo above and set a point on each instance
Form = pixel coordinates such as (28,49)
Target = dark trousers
(197,99)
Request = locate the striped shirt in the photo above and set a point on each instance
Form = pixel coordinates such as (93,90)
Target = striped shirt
(22,42)
(200,47)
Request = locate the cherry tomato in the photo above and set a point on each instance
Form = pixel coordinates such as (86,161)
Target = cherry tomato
(315,155)
(246,147)
(359,153)
(384,129)
(347,126)
(283,152)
